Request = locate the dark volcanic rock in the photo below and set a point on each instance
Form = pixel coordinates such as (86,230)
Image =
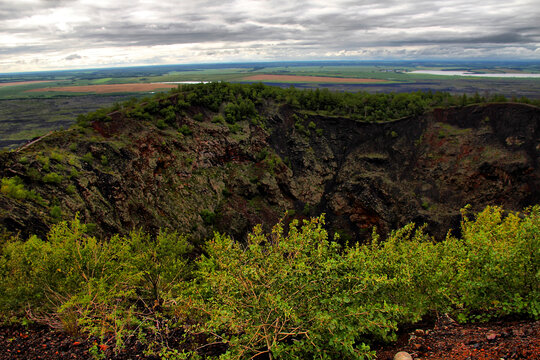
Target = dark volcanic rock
(126,173)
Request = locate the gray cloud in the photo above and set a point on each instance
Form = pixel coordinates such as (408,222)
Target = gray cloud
(73,57)
(298,29)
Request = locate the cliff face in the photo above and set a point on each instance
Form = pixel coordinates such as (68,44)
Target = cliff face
(417,169)
(126,173)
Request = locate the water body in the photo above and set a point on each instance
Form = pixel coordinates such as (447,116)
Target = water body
(466,73)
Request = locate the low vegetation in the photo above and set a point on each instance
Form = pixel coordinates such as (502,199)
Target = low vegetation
(291,294)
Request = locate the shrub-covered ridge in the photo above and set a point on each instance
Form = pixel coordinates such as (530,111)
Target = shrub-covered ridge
(290,294)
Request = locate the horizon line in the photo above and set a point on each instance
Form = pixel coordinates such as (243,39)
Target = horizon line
(250,62)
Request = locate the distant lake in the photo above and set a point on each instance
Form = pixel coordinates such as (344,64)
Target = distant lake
(466,73)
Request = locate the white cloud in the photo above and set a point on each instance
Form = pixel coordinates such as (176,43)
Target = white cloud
(105,32)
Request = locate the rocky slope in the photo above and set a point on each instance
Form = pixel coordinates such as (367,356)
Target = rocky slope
(198,175)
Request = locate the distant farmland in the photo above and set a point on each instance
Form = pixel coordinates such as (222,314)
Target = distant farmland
(105,89)
(315,79)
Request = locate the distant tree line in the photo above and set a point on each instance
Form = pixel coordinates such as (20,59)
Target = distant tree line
(237,102)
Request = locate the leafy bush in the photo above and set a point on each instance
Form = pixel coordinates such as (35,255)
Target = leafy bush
(185,130)
(291,296)
(209,217)
(52,178)
(74,282)
(299,295)
(218,119)
(88,157)
(14,188)
(161,124)
(56,156)
(502,263)
(56,212)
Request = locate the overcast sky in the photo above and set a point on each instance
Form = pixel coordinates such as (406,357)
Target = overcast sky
(56,34)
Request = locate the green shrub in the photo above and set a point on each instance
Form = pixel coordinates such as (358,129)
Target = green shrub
(56,156)
(218,119)
(44,160)
(73,173)
(108,288)
(185,130)
(104,161)
(234,128)
(300,295)
(14,188)
(502,262)
(33,173)
(56,213)
(161,124)
(292,296)
(198,117)
(52,178)
(209,217)
(88,157)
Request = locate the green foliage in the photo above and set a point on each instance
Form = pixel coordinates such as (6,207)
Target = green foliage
(109,288)
(289,294)
(45,161)
(234,128)
(56,212)
(33,173)
(218,119)
(14,188)
(71,189)
(502,274)
(300,295)
(198,117)
(161,124)
(185,130)
(88,157)
(209,217)
(56,156)
(73,173)
(53,178)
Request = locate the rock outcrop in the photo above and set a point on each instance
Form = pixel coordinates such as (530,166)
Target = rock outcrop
(127,173)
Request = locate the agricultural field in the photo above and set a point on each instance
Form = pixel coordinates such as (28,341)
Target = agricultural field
(32,104)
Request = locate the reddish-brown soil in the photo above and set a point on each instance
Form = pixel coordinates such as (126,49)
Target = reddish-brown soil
(111,88)
(449,340)
(22,83)
(316,79)
(444,340)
